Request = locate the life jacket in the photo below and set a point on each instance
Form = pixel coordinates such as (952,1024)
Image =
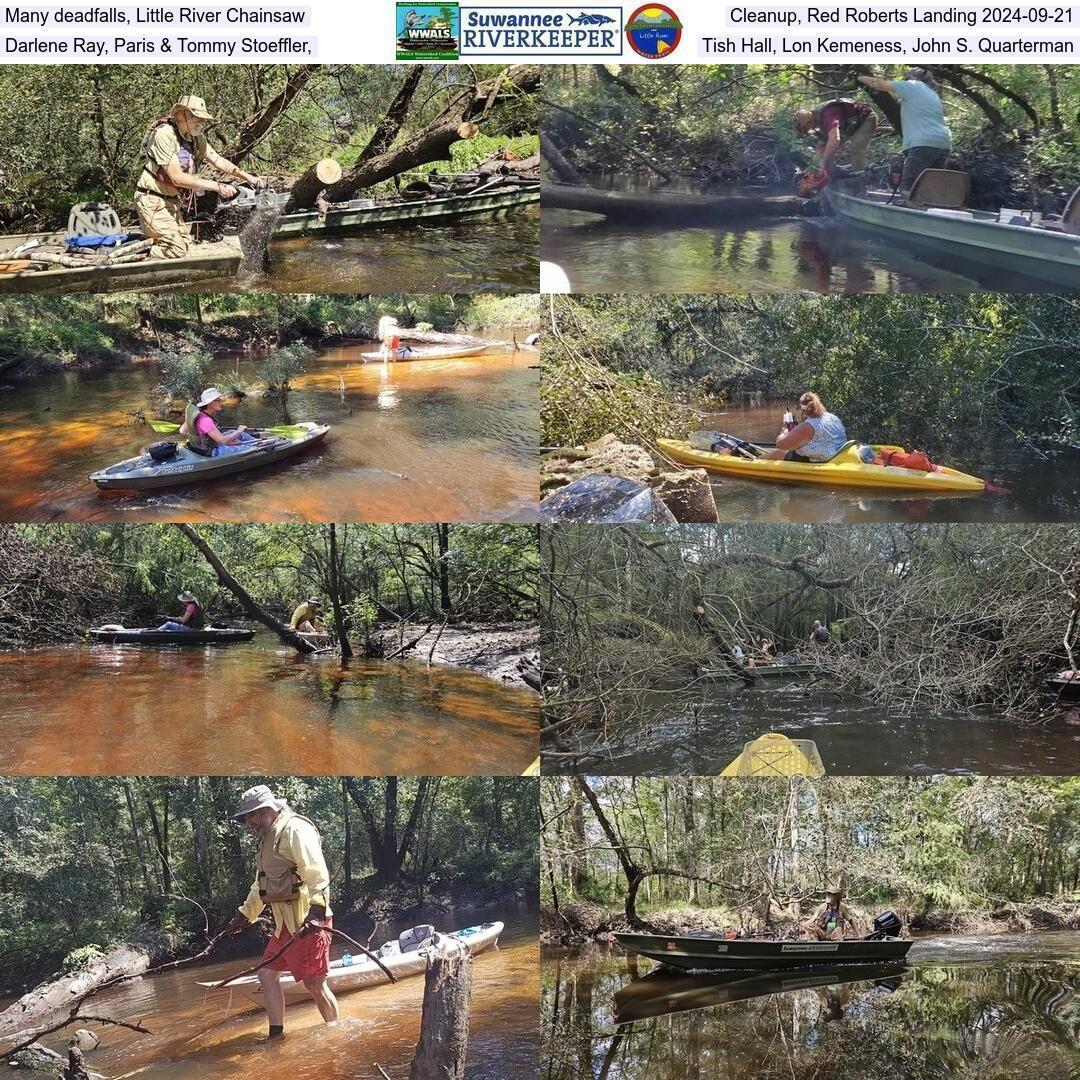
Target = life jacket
(279,882)
(189,161)
(198,444)
(855,112)
(831,919)
(199,618)
(902,459)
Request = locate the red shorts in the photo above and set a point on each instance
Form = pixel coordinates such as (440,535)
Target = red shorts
(307,958)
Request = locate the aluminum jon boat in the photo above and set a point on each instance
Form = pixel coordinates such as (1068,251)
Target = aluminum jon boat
(210,635)
(762,671)
(1048,254)
(847,469)
(693,953)
(143,473)
(448,353)
(362,973)
(661,993)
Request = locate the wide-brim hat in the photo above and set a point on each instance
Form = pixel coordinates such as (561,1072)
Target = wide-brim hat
(313,601)
(257,798)
(211,393)
(194,105)
(834,890)
(187,597)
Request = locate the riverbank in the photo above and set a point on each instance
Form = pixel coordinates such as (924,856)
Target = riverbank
(578,921)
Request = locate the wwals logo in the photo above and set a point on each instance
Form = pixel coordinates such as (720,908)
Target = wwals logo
(428,31)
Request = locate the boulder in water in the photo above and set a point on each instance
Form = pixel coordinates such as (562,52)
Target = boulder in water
(607,499)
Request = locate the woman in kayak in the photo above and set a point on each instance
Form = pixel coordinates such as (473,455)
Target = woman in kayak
(818,437)
(203,435)
(191,619)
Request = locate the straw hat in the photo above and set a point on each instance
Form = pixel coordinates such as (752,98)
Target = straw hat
(187,597)
(257,798)
(194,105)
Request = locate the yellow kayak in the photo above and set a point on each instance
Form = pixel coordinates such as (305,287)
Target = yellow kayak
(847,469)
(777,755)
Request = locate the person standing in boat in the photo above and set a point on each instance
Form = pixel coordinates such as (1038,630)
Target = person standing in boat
(820,635)
(201,431)
(841,125)
(192,618)
(291,877)
(927,140)
(818,437)
(174,149)
(833,920)
(304,617)
(390,337)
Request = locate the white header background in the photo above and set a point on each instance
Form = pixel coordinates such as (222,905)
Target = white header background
(363,32)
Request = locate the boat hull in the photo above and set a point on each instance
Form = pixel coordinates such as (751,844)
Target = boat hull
(701,954)
(1051,256)
(167,637)
(449,353)
(762,671)
(143,474)
(363,974)
(845,470)
(421,212)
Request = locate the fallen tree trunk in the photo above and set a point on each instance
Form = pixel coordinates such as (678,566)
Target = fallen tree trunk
(255,128)
(306,190)
(247,602)
(560,167)
(437,337)
(53,1001)
(671,207)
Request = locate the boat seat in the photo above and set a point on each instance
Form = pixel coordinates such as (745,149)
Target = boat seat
(1070,216)
(415,938)
(946,189)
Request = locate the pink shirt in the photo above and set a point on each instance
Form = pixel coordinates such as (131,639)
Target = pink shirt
(204,424)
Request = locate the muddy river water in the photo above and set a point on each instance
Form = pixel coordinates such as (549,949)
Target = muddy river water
(1004,1007)
(102,709)
(213,1035)
(402,437)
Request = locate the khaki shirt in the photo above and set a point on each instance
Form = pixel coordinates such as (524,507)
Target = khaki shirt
(846,921)
(163,148)
(304,613)
(297,840)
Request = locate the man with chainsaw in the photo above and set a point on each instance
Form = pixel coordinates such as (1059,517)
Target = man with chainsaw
(840,125)
(291,877)
(174,149)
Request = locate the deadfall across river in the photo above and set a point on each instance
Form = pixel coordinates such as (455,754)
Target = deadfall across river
(401,852)
(982,874)
(382,686)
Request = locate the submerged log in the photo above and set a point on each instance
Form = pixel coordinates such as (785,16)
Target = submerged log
(673,207)
(444,1027)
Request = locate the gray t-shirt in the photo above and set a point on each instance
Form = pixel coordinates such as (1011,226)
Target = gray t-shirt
(922,116)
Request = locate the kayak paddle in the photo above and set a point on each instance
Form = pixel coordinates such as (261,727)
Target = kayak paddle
(287,431)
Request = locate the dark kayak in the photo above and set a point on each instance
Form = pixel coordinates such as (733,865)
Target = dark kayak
(1066,688)
(142,473)
(210,636)
(714,952)
(662,992)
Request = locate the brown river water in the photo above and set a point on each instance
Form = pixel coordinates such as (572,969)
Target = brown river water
(1005,1007)
(402,438)
(212,1035)
(1037,489)
(114,709)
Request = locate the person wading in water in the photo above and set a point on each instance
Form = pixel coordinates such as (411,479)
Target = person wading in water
(291,877)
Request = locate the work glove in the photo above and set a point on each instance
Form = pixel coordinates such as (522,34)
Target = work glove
(238,924)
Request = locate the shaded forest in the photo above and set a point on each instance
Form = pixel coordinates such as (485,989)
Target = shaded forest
(933,370)
(1014,126)
(921,616)
(59,579)
(703,852)
(89,862)
(74,132)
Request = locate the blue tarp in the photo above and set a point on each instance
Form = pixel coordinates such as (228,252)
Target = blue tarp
(76,242)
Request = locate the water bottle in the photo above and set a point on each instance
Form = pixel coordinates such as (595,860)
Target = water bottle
(346,959)
(789,422)
(866,455)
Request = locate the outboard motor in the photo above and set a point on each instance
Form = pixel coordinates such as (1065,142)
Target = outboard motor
(886,925)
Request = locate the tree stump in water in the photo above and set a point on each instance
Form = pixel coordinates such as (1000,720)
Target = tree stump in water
(444,1027)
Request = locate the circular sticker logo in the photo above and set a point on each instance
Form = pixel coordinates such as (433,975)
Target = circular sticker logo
(653,31)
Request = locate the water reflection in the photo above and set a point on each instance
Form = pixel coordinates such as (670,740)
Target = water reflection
(402,437)
(253,709)
(785,255)
(854,736)
(982,1009)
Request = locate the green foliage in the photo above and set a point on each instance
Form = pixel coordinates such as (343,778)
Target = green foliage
(185,373)
(283,365)
(81,958)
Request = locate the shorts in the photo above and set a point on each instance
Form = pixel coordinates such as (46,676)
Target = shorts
(307,958)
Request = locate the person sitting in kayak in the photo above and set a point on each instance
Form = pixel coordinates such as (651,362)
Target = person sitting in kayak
(192,617)
(820,634)
(833,920)
(819,437)
(927,139)
(840,123)
(304,616)
(203,435)
(390,337)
